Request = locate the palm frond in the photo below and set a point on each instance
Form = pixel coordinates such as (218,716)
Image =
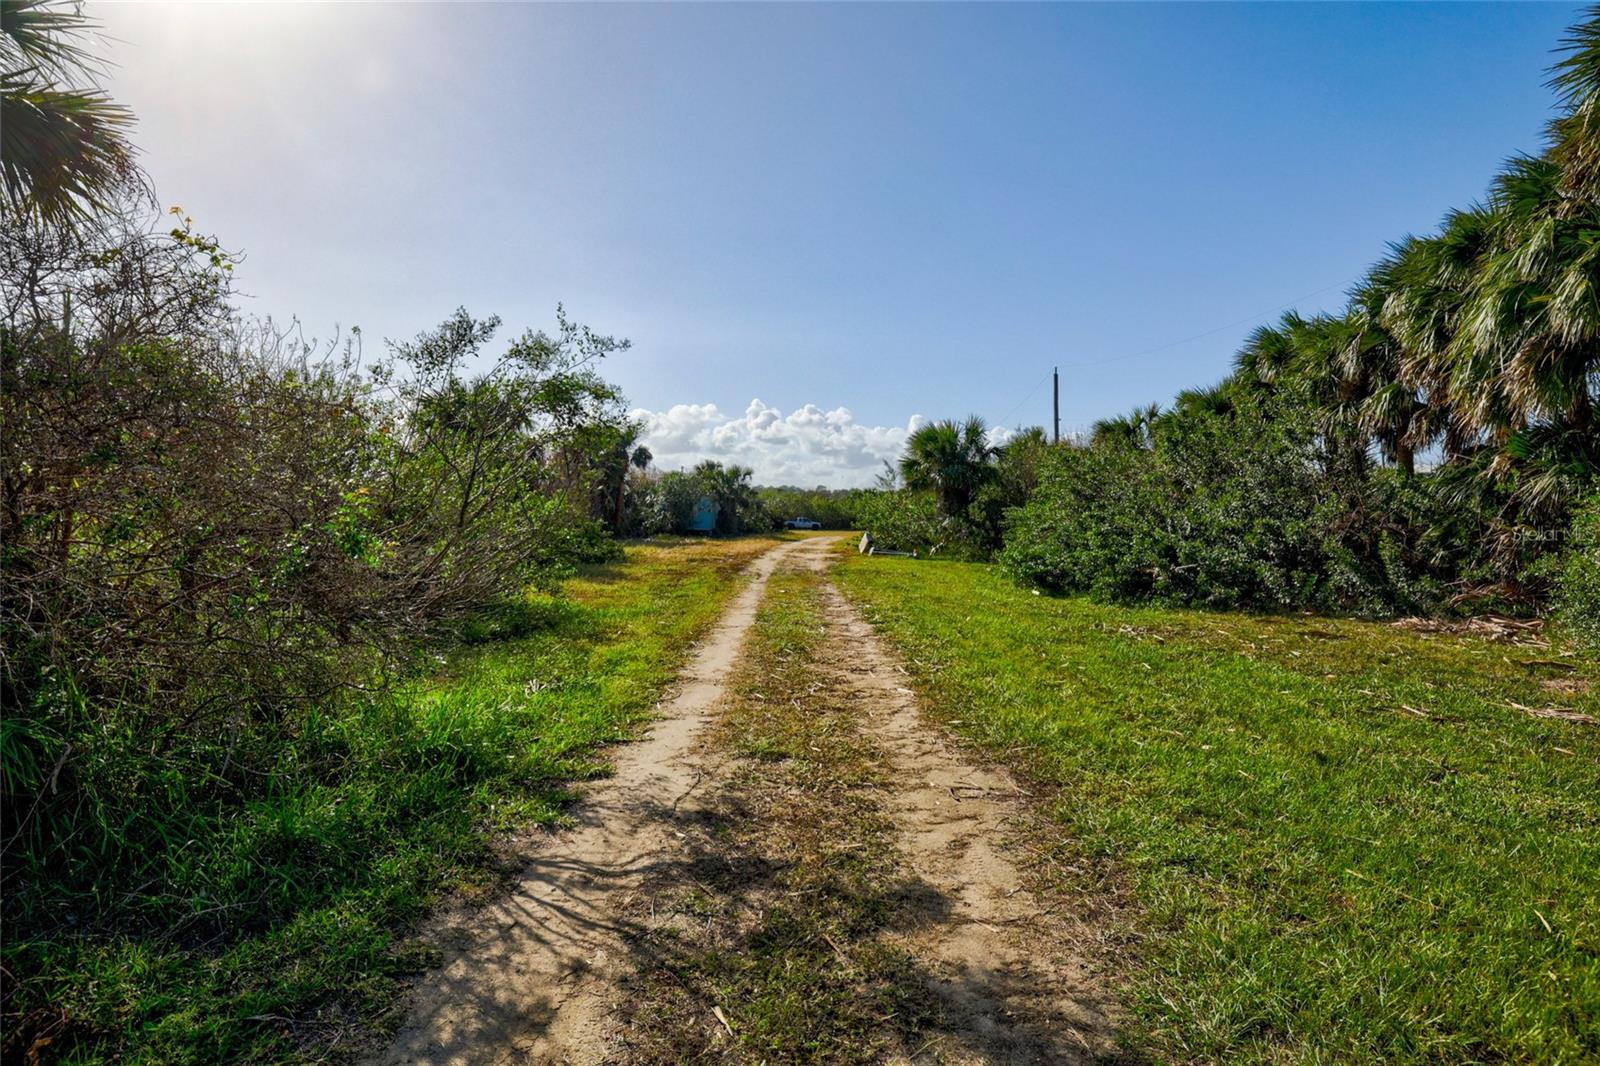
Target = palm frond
(44,36)
(60,150)
(1575,136)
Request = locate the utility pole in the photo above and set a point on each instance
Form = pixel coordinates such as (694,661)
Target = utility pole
(1055,382)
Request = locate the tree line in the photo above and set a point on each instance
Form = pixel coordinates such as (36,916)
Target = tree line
(221,543)
(1432,447)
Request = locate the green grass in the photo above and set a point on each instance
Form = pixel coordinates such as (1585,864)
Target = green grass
(1344,842)
(271,927)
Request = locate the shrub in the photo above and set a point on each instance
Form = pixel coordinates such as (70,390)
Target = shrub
(1577,583)
(212,533)
(1214,512)
(672,501)
(908,520)
(674,496)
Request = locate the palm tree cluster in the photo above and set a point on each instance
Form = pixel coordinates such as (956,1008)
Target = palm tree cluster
(1432,445)
(952,459)
(1472,353)
(1478,345)
(731,489)
(958,483)
(668,502)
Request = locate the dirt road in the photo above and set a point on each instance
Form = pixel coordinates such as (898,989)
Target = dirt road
(557,970)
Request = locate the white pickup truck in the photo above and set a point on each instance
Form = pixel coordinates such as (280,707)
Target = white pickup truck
(802,523)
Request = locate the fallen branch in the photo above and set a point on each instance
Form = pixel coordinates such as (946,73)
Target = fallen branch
(1564,714)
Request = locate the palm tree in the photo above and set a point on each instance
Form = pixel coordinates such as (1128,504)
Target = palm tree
(1575,135)
(954,459)
(1266,361)
(1135,429)
(1497,324)
(1397,410)
(1533,317)
(1215,401)
(625,457)
(1323,363)
(1425,285)
(1530,334)
(730,487)
(63,149)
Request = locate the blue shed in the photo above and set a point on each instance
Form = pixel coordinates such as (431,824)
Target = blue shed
(703,519)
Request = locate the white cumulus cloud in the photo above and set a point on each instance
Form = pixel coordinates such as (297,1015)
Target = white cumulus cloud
(807,446)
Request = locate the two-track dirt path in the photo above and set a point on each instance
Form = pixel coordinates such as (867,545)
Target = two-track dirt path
(536,976)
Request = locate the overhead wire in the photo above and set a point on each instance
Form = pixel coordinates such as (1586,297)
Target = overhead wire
(1210,332)
(1169,345)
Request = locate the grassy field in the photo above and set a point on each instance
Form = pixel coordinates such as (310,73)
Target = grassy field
(1346,841)
(277,932)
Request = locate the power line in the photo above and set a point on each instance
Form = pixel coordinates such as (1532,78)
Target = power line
(1005,418)
(1020,403)
(1209,332)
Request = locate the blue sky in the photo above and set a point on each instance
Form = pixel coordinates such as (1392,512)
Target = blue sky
(857,215)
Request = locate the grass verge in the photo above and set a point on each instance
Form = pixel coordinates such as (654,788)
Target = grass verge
(271,927)
(1350,842)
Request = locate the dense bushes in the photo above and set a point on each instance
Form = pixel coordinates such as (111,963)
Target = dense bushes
(958,488)
(227,557)
(1245,507)
(1577,580)
(213,534)
(1207,516)
(1421,451)
(673,497)
(833,508)
(904,520)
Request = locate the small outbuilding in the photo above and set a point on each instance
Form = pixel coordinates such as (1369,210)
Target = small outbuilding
(703,519)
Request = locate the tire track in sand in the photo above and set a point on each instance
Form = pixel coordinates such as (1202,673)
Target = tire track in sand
(528,977)
(1018,981)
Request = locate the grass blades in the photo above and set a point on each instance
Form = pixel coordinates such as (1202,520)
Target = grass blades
(1350,842)
(273,929)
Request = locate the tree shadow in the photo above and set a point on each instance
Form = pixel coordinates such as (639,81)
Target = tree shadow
(710,919)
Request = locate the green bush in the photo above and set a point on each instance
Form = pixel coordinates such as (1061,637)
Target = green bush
(909,520)
(1217,512)
(1577,584)
(672,499)
(223,554)
(1252,507)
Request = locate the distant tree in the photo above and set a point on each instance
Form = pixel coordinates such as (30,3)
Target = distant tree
(672,502)
(617,460)
(1134,429)
(952,459)
(833,508)
(732,491)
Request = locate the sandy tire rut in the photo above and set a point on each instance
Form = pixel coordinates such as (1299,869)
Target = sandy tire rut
(1018,987)
(537,976)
